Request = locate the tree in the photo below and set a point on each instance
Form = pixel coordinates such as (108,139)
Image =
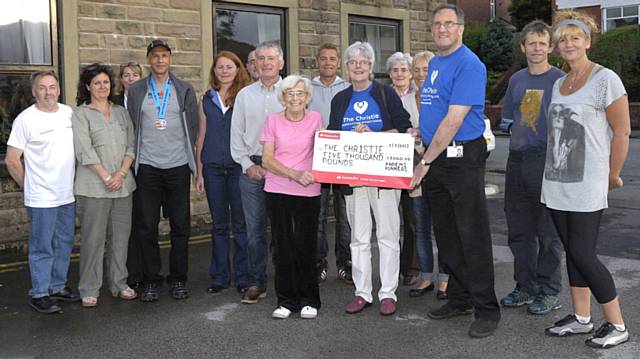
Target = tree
(496,47)
(524,11)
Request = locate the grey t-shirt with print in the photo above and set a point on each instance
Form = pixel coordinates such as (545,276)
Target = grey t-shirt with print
(162,148)
(576,174)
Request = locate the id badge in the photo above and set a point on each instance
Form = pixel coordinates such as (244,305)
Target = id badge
(455,151)
(161,124)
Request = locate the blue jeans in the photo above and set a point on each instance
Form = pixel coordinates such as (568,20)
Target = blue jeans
(254,201)
(223,194)
(423,241)
(50,244)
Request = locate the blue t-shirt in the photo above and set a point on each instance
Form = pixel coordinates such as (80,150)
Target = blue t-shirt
(456,79)
(526,103)
(362,109)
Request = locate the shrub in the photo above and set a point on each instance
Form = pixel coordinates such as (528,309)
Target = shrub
(472,36)
(496,48)
(619,50)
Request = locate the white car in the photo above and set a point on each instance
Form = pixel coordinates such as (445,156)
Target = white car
(488,136)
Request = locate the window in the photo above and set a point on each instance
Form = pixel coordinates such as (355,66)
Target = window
(621,16)
(240,28)
(28,44)
(383,35)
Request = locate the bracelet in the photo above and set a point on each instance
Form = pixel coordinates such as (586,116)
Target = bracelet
(424,162)
(123,173)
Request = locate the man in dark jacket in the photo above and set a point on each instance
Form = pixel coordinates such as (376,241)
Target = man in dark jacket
(165,115)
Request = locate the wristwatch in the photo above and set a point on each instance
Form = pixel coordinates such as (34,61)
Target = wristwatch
(424,162)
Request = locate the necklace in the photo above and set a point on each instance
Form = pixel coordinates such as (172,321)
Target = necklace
(286,116)
(578,75)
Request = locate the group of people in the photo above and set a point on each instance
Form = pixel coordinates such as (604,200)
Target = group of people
(248,143)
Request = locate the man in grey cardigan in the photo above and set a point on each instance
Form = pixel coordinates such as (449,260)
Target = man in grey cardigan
(165,116)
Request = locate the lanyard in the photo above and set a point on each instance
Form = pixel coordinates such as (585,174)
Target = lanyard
(161,107)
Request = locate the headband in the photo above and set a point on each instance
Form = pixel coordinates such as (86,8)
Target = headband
(577,23)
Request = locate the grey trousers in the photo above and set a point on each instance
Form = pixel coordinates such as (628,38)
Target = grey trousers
(105,223)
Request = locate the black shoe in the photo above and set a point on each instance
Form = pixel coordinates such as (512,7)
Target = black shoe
(214,289)
(45,305)
(442,295)
(65,295)
(449,311)
(138,287)
(482,327)
(242,289)
(150,293)
(418,292)
(178,290)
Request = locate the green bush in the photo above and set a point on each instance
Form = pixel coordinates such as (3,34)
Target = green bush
(619,50)
(472,36)
(496,48)
(524,11)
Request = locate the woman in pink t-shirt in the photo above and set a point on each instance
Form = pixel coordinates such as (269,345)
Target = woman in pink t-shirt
(293,197)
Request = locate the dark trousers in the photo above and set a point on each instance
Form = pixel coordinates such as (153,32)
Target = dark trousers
(408,253)
(579,234)
(455,187)
(154,185)
(532,237)
(294,226)
(342,233)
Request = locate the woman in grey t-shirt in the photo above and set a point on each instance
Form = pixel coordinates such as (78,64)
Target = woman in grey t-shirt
(588,139)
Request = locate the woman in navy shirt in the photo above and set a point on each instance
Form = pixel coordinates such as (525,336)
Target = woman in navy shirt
(217,172)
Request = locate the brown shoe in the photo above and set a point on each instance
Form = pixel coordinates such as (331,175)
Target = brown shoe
(253,295)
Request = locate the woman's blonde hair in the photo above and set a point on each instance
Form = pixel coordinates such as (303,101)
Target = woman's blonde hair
(562,30)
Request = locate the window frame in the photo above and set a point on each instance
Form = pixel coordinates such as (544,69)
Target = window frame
(606,19)
(283,12)
(378,21)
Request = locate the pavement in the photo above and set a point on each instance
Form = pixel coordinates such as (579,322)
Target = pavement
(218,326)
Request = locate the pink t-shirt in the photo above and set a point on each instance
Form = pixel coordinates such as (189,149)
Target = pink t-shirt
(294,149)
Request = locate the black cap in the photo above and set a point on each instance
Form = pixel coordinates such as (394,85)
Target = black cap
(157,43)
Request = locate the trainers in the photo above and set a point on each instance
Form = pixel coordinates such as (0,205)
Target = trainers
(449,311)
(607,336)
(308,312)
(253,295)
(516,298)
(281,313)
(178,290)
(544,304)
(45,305)
(357,305)
(568,325)
(344,274)
(387,306)
(482,327)
(150,293)
(65,295)
(322,273)
(214,289)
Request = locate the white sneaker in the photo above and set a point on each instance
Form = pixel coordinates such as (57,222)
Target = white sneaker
(308,313)
(281,313)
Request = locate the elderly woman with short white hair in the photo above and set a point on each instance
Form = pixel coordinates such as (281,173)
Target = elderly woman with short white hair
(293,197)
(369,106)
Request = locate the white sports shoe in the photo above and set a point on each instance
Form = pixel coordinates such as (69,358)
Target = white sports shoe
(281,313)
(607,336)
(308,312)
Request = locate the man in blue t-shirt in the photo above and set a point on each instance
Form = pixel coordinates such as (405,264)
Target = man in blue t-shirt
(532,238)
(451,125)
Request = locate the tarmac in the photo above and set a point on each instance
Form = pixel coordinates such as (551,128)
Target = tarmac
(218,326)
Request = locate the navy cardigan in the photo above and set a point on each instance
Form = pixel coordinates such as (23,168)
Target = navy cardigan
(394,116)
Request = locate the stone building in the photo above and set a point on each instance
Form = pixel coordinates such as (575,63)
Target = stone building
(65,35)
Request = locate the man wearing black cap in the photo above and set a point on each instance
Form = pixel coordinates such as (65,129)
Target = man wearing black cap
(165,115)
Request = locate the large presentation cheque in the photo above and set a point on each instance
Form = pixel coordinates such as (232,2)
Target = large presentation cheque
(378,159)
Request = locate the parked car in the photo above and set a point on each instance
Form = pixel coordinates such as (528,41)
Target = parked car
(505,125)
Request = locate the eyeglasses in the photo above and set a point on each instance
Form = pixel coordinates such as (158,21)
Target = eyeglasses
(362,63)
(294,94)
(447,24)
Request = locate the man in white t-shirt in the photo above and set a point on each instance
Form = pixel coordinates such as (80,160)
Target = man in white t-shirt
(43,135)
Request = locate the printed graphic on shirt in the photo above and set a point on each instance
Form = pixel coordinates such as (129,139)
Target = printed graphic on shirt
(362,110)
(566,145)
(530,106)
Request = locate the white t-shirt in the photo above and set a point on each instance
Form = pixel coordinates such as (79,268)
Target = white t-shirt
(46,139)
(576,173)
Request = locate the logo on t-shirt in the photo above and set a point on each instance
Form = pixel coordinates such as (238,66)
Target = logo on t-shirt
(360,107)
(434,75)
